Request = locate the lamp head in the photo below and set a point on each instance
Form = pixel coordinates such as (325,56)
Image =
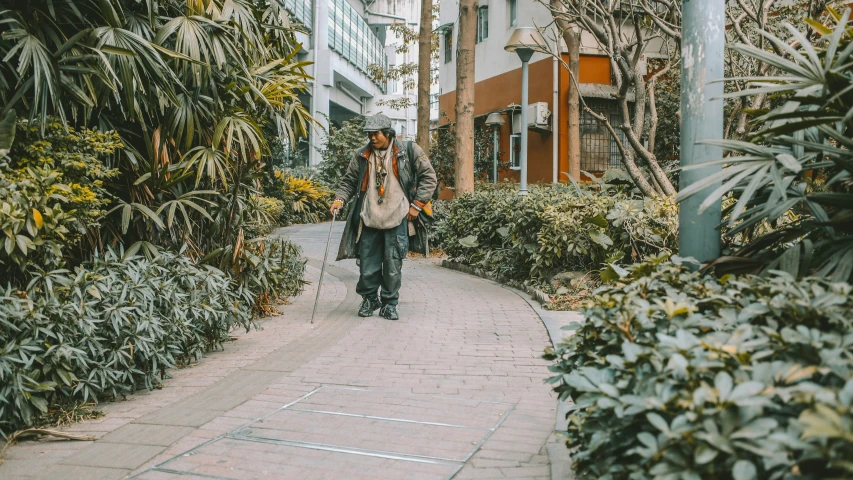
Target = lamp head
(524,41)
(495,119)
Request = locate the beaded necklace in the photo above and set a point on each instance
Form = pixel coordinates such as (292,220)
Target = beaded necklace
(381,173)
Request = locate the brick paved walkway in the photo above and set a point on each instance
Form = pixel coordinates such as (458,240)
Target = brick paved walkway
(454,387)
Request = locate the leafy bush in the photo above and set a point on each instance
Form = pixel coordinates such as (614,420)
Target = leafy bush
(305,200)
(51,194)
(554,229)
(681,375)
(264,214)
(109,328)
(338,149)
(271,270)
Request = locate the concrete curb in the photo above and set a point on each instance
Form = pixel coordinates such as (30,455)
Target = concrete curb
(561,462)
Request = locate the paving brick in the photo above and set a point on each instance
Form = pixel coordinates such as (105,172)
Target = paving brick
(141,434)
(459,337)
(113,455)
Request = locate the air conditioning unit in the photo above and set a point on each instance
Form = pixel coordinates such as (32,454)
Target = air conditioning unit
(538,118)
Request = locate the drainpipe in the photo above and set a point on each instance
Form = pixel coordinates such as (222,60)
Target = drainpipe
(555,113)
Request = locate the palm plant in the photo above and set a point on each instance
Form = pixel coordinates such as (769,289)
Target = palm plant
(790,185)
(188,86)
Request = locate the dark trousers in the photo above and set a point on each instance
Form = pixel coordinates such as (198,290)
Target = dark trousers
(381,254)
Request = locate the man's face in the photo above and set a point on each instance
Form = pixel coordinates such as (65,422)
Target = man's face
(378,139)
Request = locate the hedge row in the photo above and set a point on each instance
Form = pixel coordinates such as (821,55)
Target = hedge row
(554,229)
(681,375)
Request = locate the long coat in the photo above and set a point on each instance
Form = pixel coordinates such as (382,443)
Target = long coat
(415,175)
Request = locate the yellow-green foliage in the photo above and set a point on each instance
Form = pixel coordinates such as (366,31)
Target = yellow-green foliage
(305,200)
(51,194)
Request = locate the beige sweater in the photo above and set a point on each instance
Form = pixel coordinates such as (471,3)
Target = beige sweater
(394,207)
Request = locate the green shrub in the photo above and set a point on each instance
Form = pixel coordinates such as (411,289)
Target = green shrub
(338,149)
(682,375)
(271,270)
(554,229)
(263,214)
(109,328)
(306,200)
(52,194)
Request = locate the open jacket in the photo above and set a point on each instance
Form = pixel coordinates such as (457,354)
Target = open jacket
(416,175)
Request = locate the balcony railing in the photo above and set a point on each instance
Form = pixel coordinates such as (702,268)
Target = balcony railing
(351,37)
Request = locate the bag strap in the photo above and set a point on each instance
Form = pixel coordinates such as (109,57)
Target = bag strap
(410,152)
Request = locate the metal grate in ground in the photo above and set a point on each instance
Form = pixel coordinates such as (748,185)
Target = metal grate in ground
(342,432)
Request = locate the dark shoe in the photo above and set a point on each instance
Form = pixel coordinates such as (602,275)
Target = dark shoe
(368,306)
(389,312)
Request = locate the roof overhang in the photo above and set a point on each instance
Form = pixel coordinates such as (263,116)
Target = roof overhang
(600,90)
(442,28)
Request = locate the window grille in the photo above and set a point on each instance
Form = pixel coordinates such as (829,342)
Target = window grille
(448,45)
(599,152)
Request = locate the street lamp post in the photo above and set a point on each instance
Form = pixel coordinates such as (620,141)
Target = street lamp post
(495,120)
(702,62)
(524,41)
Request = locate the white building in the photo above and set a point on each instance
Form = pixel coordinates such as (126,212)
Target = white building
(343,38)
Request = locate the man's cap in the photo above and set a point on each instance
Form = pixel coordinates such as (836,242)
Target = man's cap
(377,122)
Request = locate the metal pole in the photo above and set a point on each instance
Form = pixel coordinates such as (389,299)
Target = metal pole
(702,47)
(524,54)
(323,268)
(495,155)
(555,113)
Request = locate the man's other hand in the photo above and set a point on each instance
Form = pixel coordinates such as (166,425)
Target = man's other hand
(413,213)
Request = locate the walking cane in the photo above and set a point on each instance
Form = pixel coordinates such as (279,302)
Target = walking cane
(323,268)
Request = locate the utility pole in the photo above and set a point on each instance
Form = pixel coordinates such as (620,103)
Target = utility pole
(703,42)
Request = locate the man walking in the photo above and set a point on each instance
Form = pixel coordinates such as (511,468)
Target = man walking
(390,183)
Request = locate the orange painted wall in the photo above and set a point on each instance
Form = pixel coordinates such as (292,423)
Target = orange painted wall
(497,92)
(594,69)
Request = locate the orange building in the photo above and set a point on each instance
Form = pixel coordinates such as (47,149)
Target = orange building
(498,89)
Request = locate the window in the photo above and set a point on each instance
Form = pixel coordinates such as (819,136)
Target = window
(513,13)
(515,151)
(482,24)
(599,152)
(448,45)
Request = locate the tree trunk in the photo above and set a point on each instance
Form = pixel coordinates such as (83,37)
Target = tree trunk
(465,96)
(573,43)
(424,74)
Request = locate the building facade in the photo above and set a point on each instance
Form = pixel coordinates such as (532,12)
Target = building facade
(342,39)
(497,76)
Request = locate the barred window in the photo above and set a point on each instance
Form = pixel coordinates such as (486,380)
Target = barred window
(599,152)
